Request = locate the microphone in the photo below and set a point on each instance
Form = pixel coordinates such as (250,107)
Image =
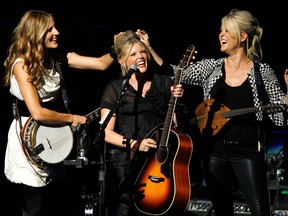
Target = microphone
(133,68)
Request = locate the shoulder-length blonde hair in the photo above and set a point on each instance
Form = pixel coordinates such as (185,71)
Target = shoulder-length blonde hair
(242,21)
(28,42)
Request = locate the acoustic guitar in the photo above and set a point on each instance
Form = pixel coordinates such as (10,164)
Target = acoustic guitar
(163,184)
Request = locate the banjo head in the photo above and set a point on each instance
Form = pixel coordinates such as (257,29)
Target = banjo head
(51,144)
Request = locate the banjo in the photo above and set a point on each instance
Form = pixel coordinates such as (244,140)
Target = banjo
(50,143)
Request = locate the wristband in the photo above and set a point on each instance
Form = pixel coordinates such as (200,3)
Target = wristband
(126,142)
(113,53)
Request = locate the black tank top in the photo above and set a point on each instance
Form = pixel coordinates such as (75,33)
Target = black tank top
(240,134)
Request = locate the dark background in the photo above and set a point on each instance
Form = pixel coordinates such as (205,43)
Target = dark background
(88,27)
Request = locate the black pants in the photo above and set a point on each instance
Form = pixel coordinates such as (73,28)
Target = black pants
(31,199)
(120,184)
(251,176)
(52,199)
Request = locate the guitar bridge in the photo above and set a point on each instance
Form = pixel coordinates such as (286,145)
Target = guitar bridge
(156,179)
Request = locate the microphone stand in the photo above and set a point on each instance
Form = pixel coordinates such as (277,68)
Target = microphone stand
(100,138)
(82,143)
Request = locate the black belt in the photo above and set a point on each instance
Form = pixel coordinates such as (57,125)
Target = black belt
(238,143)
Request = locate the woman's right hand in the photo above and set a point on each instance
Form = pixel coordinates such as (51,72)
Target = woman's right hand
(78,119)
(146,144)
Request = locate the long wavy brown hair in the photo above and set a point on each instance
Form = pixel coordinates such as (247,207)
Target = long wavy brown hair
(28,43)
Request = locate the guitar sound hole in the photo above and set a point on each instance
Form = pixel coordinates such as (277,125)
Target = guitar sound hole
(156,179)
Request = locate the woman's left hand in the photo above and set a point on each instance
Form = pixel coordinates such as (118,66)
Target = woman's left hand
(177,90)
(143,35)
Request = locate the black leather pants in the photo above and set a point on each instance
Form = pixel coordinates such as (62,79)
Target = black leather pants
(251,175)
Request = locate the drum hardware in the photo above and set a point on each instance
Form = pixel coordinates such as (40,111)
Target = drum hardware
(100,146)
(279,163)
(90,203)
(280,170)
(97,200)
(82,142)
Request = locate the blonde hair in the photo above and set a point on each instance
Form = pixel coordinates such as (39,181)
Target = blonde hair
(28,42)
(242,21)
(123,45)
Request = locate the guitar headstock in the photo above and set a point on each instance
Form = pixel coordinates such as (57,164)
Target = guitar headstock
(187,57)
(184,62)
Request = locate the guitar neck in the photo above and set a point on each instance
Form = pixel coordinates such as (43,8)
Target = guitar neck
(93,115)
(267,109)
(168,120)
(243,111)
(186,59)
(170,111)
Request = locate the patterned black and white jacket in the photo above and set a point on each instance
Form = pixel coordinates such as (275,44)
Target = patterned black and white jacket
(206,72)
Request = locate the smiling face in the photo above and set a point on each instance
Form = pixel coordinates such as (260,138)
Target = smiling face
(135,54)
(231,42)
(131,51)
(51,36)
(228,41)
(138,56)
(233,35)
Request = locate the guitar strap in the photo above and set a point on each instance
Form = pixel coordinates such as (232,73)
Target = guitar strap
(266,124)
(15,109)
(31,155)
(263,95)
(63,87)
(15,112)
